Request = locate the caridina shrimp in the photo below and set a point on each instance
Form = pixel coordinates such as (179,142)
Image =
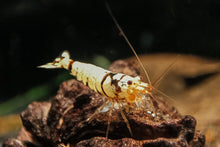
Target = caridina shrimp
(121,91)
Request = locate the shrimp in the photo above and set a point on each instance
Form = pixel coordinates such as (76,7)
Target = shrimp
(119,89)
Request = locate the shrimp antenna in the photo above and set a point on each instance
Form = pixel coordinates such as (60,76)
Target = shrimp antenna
(157,81)
(126,39)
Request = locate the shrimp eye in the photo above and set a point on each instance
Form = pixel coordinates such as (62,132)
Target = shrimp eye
(129,82)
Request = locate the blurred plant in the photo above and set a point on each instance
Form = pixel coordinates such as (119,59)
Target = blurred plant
(101,61)
(40,92)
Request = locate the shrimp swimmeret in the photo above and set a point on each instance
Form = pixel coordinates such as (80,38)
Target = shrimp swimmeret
(120,90)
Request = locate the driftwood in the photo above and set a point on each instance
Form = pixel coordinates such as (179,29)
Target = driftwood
(62,121)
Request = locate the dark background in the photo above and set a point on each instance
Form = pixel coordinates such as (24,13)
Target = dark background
(33,32)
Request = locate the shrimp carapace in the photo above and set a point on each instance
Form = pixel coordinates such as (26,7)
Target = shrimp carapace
(120,89)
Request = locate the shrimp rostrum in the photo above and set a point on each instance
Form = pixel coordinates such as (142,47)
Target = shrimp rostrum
(121,91)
